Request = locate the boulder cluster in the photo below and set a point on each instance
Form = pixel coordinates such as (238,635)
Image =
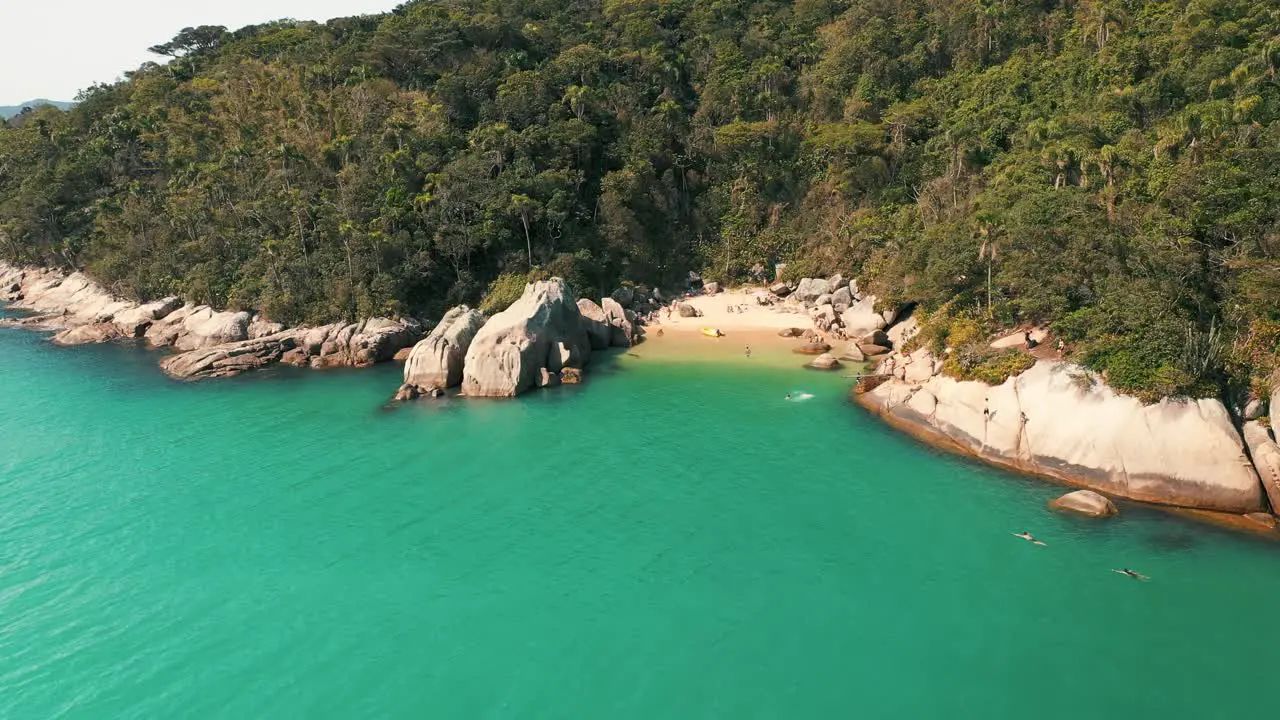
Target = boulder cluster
(207,342)
(841,312)
(1059,420)
(545,338)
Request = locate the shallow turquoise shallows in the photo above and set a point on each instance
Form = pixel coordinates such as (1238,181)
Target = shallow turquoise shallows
(667,541)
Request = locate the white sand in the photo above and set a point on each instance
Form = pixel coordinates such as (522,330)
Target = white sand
(715,314)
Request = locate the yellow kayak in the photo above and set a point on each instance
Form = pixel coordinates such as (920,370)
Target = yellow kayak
(712,332)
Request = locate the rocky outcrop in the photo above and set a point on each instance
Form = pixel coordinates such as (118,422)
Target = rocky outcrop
(211,343)
(543,329)
(337,345)
(78,308)
(134,322)
(205,327)
(436,361)
(1085,502)
(192,327)
(229,359)
(595,324)
(861,318)
(354,344)
(621,322)
(1266,459)
(1055,420)
(810,289)
(88,334)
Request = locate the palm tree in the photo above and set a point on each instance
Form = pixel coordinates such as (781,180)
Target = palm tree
(987,251)
(524,207)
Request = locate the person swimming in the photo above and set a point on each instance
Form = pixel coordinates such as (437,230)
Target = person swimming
(1130,573)
(788,396)
(1029,538)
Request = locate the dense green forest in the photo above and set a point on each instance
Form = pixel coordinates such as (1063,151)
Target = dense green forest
(1110,166)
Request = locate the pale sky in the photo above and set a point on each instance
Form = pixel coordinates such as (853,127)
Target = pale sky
(54,48)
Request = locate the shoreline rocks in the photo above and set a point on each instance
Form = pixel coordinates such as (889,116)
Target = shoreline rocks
(1046,422)
(209,343)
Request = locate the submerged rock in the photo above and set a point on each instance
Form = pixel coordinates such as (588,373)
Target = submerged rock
(813,348)
(1266,521)
(825,361)
(1085,502)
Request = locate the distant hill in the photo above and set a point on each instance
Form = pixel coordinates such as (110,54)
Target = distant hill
(8,111)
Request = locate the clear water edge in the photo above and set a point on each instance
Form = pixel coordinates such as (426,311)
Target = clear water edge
(670,539)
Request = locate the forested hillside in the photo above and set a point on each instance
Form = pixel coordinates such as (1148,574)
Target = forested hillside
(1110,166)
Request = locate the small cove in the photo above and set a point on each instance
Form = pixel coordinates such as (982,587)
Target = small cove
(671,539)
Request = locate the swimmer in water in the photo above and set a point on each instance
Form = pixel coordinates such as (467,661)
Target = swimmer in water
(788,396)
(1029,538)
(1130,573)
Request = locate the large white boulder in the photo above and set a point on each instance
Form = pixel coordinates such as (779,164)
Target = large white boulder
(810,289)
(543,329)
(861,318)
(1053,420)
(436,361)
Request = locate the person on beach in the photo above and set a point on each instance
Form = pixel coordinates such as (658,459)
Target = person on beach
(748,352)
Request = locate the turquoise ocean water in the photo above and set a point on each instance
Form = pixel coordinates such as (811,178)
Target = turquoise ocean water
(668,541)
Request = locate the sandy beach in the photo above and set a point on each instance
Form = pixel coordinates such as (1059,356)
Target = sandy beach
(756,327)
(716,314)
